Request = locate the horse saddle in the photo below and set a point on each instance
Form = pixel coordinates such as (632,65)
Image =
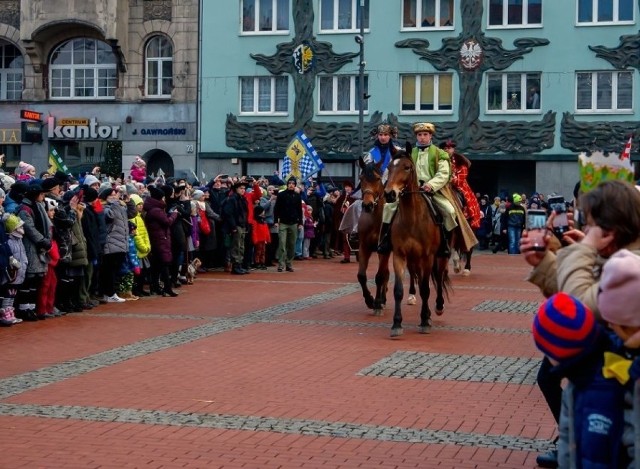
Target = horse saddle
(437,216)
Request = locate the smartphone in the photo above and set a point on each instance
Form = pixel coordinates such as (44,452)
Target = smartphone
(560,221)
(536,219)
(80,195)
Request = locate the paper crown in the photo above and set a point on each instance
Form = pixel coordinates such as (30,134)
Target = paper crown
(598,167)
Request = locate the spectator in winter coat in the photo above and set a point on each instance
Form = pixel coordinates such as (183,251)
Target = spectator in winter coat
(235,219)
(117,243)
(143,248)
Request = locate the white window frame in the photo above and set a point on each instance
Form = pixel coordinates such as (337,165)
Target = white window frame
(77,70)
(505,16)
(355,27)
(616,14)
(504,107)
(256,96)
(615,75)
(256,19)
(353,95)
(417,95)
(160,62)
(15,73)
(417,6)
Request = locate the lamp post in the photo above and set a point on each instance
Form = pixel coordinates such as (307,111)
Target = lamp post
(361,98)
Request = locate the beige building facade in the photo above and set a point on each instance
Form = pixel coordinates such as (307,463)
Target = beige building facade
(130,66)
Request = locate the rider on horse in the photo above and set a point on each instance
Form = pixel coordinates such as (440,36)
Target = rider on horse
(381,150)
(433,169)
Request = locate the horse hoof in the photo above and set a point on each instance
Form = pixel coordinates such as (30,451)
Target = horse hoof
(377,312)
(411,300)
(424,329)
(396,332)
(369,304)
(466,272)
(439,312)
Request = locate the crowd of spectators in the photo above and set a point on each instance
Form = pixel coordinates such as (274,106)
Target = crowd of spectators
(70,244)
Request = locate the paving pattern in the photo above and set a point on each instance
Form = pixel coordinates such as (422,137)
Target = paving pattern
(323,370)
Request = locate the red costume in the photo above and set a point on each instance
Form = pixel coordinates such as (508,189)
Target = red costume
(459,180)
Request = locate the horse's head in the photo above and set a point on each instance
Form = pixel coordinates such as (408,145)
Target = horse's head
(370,184)
(402,174)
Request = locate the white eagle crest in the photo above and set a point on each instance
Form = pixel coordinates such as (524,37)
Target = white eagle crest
(470,54)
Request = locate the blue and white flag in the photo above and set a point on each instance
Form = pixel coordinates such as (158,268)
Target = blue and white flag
(301,159)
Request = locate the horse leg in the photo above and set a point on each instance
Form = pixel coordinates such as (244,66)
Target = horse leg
(467,266)
(456,261)
(440,266)
(399,265)
(363,263)
(382,283)
(425,312)
(411,299)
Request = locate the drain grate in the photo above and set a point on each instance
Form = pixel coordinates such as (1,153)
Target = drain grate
(436,366)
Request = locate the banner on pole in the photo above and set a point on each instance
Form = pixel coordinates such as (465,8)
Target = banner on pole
(301,159)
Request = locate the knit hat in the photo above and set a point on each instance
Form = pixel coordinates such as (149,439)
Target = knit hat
(24,168)
(18,189)
(33,190)
(12,223)
(136,199)
(50,203)
(618,300)
(168,190)
(517,198)
(292,179)
(90,194)
(90,179)
(564,327)
(197,195)
(63,177)
(155,192)
(104,193)
(50,183)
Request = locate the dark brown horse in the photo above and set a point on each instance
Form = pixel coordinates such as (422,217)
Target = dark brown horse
(368,232)
(415,237)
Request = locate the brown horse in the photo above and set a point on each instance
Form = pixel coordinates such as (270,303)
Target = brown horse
(415,237)
(368,233)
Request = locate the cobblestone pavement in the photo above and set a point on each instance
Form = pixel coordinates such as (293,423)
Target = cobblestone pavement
(280,370)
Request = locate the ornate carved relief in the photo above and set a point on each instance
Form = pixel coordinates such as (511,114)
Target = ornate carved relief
(607,136)
(157,10)
(10,12)
(627,54)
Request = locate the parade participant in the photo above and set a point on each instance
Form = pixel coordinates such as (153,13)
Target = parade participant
(433,170)
(288,218)
(460,165)
(342,205)
(381,150)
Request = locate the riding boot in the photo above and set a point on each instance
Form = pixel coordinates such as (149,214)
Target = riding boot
(443,249)
(384,241)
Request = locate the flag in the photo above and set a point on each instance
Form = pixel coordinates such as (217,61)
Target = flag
(56,163)
(626,153)
(301,159)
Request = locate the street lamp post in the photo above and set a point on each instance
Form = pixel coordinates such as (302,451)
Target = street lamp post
(361,98)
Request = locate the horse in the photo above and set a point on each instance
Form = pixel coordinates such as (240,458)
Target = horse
(415,237)
(369,223)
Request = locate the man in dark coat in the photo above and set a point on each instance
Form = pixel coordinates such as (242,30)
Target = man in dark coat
(235,213)
(288,217)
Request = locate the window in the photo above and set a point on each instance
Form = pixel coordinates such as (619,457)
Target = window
(342,15)
(264,95)
(431,93)
(159,68)
(604,91)
(516,13)
(339,94)
(265,16)
(420,14)
(513,92)
(83,69)
(605,11)
(11,65)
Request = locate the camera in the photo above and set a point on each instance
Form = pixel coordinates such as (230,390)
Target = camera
(536,228)
(359,39)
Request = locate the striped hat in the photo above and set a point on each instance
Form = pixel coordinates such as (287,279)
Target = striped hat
(564,327)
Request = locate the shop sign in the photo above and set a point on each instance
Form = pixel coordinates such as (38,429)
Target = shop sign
(9,136)
(92,131)
(31,132)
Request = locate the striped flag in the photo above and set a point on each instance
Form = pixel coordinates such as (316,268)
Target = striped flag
(301,159)
(626,153)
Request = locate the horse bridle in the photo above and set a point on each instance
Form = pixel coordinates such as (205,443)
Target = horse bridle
(376,198)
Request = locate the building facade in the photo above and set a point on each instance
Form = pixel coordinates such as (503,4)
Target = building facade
(111,79)
(521,86)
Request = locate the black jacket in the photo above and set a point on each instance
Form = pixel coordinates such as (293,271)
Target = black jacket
(288,208)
